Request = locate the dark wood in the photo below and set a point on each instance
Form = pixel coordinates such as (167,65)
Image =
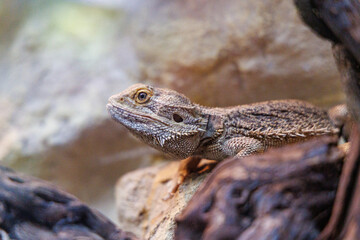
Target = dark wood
(345,219)
(335,20)
(342,17)
(31,209)
(311,16)
(286,193)
(340,20)
(351,229)
(350,78)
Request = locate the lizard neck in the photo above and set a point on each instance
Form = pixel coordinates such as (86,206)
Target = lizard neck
(213,131)
(214,127)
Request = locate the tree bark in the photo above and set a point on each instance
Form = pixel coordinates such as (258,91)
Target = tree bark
(340,21)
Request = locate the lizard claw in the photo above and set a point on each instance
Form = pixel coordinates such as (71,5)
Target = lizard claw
(177,181)
(186,167)
(168,196)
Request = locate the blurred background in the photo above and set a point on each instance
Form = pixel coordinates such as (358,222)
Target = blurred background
(61,60)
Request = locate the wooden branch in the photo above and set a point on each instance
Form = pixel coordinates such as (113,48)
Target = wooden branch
(346,211)
(343,19)
(340,20)
(33,209)
(286,193)
(335,20)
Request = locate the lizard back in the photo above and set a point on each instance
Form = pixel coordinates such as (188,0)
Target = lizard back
(277,122)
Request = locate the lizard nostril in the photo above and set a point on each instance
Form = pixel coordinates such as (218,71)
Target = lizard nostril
(116,99)
(119,99)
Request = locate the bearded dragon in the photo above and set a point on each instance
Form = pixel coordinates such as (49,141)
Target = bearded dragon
(171,123)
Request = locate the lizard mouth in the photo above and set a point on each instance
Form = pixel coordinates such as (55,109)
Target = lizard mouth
(121,113)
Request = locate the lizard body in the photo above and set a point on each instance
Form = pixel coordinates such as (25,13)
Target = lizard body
(170,122)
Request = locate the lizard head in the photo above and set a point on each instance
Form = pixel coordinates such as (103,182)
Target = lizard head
(162,118)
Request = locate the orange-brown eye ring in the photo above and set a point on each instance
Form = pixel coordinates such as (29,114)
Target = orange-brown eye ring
(142,96)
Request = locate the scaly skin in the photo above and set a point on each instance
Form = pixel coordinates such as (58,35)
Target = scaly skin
(171,123)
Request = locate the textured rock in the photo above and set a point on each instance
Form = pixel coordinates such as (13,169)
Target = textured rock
(140,205)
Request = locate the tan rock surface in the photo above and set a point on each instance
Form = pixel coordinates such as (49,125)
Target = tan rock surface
(140,205)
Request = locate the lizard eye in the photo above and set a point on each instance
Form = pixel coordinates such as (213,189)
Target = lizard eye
(177,118)
(142,96)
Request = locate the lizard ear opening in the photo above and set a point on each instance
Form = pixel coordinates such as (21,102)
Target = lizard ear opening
(177,118)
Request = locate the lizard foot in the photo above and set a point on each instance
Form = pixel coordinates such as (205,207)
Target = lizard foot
(186,167)
(206,165)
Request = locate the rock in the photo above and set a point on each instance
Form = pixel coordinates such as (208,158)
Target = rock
(239,52)
(59,64)
(140,205)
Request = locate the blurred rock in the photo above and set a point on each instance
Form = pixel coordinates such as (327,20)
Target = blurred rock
(140,205)
(239,52)
(58,66)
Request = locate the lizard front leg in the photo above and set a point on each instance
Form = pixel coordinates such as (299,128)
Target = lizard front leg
(239,146)
(187,166)
(242,146)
